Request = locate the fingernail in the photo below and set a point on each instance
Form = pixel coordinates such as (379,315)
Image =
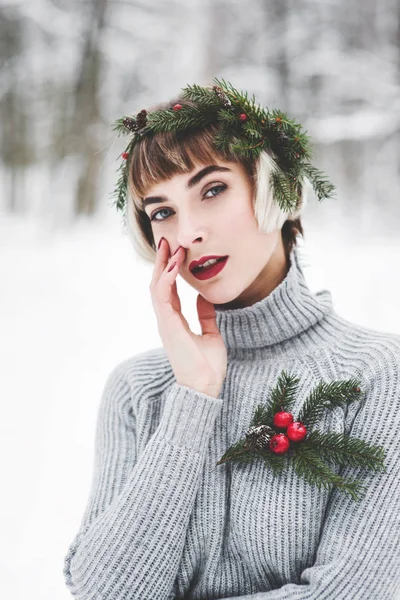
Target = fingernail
(171,267)
(159,243)
(176,251)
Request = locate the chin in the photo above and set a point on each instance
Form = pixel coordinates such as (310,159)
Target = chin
(219,291)
(218,294)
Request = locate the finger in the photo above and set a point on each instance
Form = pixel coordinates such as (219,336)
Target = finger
(175,300)
(176,305)
(162,257)
(169,294)
(174,297)
(207,316)
(165,290)
(168,305)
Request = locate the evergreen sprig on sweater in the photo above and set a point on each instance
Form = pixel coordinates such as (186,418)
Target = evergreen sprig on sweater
(244,128)
(310,455)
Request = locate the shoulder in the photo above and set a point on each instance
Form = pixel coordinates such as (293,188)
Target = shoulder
(372,357)
(146,372)
(377,352)
(378,360)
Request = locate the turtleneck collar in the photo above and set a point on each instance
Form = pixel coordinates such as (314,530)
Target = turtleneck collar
(288,310)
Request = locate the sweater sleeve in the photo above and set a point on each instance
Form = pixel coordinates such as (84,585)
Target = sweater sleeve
(132,534)
(358,556)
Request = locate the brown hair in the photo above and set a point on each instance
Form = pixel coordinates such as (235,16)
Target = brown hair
(161,156)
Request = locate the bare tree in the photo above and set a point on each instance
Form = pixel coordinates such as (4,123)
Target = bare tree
(17,149)
(86,114)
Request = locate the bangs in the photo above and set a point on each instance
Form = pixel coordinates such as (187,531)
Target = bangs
(159,157)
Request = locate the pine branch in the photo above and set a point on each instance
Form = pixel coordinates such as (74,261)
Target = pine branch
(222,141)
(274,461)
(323,189)
(247,148)
(120,128)
(228,132)
(344,450)
(227,118)
(236,453)
(186,118)
(251,132)
(303,142)
(284,194)
(201,95)
(309,466)
(326,396)
(119,193)
(240,100)
(283,395)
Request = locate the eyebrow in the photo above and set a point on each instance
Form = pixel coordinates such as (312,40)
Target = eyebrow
(191,183)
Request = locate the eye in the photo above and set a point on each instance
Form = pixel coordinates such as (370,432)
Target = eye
(218,189)
(153,217)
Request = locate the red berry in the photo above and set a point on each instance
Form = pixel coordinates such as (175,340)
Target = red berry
(283,419)
(279,443)
(243,117)
(296,431)
(125,155)
(177,107)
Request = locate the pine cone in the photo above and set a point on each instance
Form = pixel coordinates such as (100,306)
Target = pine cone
(141,119)
(258,437)
(135,125)
(130,124)
(222,96)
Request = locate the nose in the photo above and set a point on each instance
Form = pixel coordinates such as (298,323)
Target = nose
(187,242)
(189,236)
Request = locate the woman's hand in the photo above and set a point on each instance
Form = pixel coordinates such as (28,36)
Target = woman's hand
(198,361)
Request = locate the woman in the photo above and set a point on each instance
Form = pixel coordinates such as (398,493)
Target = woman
(169,516)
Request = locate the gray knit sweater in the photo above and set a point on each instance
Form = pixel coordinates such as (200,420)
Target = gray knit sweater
(164,522)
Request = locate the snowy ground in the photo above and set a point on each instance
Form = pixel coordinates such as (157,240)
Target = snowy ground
(72,305)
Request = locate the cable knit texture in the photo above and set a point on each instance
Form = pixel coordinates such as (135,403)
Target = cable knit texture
(164,522)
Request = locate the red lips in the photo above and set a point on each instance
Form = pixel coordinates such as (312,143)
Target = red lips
(203,259)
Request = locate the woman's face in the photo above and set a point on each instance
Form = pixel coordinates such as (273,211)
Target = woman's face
(209,212)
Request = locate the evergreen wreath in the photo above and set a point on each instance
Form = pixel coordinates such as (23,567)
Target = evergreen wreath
(245,128)
(277,438)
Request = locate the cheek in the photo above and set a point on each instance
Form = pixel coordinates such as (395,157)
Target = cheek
(242,226)
(241,220)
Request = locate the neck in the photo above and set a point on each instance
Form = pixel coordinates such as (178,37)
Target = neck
(273,273)
(286,310)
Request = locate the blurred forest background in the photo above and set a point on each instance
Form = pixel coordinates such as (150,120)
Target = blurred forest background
(70,68)
(73,300)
